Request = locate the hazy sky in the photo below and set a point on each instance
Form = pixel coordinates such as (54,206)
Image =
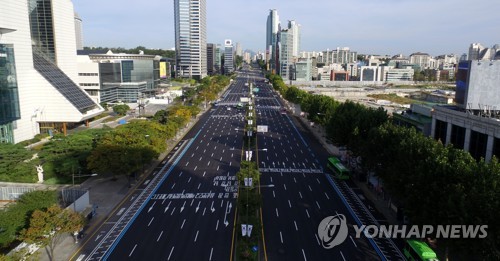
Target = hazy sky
(366,26)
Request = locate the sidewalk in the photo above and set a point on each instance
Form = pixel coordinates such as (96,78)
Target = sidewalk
(107,193)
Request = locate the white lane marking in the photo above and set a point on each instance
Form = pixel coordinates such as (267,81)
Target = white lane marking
(271,179)
(318,205)
(151,221)
(304,254)
(284,185)
(289,204)
(189,180)
(310,188)
(217,226)
(317,239)
(196,237)
(133,249)
(281,237)
(187,163)
(167,206)
(161,233)
(300,194)
(296,228)
(294,179)
(307,212)
(353,241)
(343,258)
(199,185)
(211,251)
(173,186)
(208,163)
(204,172)
(277,215)
(150,208)
(173,210)
(195,168)
(274,195)
(180,174)
(170,253)
(327,196)
(183,223)
(317,180)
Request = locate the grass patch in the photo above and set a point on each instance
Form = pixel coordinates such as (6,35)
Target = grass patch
(111,118)
(394,98)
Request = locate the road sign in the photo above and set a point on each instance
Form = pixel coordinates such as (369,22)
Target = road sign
(243,229)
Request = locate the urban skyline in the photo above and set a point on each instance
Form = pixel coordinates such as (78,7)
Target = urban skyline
(386,27)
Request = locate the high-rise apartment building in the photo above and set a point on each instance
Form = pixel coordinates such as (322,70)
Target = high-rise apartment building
(38,70)
(190,38)
(272,30)
(228,56)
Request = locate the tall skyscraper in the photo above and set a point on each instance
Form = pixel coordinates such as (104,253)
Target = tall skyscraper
(239,51)
(289,43)
(38,70)
(295,30)
(78,32)
(218,62)
(272,30)
(211,58)
(190,38)
(228,56)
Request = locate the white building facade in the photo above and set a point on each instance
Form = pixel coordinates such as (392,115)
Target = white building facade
(45,65)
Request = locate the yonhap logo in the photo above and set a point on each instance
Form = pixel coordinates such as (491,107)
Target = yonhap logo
(332,231)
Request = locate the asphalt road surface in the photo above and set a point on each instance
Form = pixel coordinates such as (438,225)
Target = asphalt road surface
(302,195)
(189,214)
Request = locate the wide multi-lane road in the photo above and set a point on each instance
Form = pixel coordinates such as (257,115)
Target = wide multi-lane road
(302,195)
(185,210)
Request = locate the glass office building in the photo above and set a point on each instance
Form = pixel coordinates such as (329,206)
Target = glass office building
(9,98)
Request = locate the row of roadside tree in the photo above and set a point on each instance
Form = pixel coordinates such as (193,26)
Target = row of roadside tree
(437,184)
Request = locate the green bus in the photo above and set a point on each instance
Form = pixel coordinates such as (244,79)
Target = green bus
(418,250)
(338,169)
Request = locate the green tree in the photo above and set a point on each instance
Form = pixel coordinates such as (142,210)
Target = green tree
(121,109)
(47,227)
(16,164)
(16,216)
